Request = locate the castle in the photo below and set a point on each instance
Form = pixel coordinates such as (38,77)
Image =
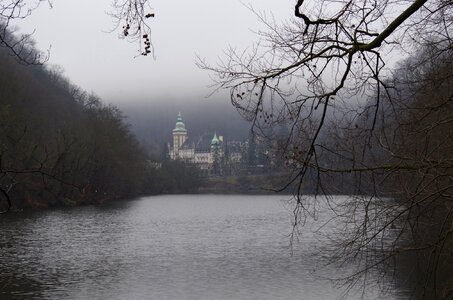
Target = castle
(209,155)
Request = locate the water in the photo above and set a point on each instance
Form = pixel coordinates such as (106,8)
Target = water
(166,247)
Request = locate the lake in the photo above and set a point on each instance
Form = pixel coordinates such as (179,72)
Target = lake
(168,247)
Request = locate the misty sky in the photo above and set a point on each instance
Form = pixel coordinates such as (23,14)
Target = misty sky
(77,31)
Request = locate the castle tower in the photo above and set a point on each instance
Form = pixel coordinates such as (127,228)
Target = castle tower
(215,155)
(215,142)
(179,135)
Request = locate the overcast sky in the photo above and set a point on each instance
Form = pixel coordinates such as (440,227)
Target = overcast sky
(98,61)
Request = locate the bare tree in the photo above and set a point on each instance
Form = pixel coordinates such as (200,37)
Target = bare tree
(331,60)
(21,47)
(129,16)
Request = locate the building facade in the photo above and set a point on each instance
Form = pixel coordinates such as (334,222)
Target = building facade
(210,155)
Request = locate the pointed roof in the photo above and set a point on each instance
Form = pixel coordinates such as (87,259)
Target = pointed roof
(180,126)
(215,140)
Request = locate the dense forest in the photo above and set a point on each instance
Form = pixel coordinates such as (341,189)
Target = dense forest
(60,145)
(396,157)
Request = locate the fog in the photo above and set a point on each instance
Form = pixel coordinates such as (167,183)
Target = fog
(152,90)
(78,34)
(153,122)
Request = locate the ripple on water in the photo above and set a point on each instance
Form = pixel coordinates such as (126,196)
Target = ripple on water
(166,247)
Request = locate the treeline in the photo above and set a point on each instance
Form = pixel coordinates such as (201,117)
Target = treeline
(62,146)
(400,148)
(413,148)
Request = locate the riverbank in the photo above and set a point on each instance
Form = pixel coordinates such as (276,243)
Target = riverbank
(253,184)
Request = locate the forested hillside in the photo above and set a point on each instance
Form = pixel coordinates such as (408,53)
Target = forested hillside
(62,146)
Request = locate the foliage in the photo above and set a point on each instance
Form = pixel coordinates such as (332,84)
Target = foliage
(58,142)
(62,146)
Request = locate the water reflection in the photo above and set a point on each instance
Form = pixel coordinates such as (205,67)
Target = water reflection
(168,247)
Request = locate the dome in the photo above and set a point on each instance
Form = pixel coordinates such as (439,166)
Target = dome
(180,127)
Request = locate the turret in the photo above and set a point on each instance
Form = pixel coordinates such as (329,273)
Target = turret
(215,142)
(179,134)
